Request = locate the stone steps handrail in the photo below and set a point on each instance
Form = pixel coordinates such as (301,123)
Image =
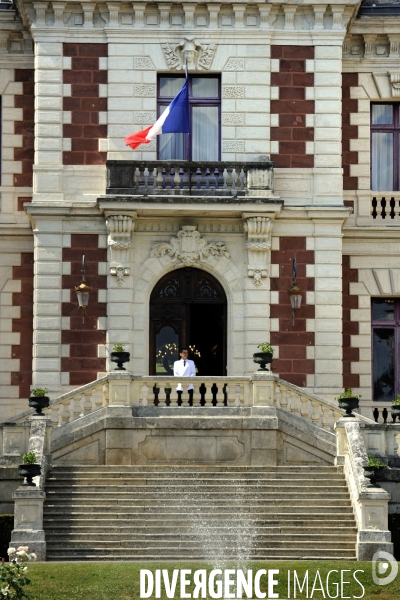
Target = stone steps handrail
(229,391)
(370,504)
(84,399)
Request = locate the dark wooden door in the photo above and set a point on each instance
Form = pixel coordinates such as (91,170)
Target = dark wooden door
(188,309)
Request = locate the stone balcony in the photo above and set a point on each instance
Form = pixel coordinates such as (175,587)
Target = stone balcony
(211,179)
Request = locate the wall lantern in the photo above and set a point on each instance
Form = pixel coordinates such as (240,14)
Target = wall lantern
(82,291)
(295,293)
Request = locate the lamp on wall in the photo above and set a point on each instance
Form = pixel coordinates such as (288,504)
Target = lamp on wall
(82,291)
(295,293)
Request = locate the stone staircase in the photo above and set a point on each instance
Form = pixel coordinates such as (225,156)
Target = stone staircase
(198,512)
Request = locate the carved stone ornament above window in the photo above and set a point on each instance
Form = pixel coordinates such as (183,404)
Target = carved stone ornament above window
(395,83)
(199,56)
(120,228)
(189,248)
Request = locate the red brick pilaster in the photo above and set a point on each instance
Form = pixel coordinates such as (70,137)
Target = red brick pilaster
(85,104)
(292,364)
(349,327)
(292,106)
(83,339)
(25,154)
(349,132)
(23,325)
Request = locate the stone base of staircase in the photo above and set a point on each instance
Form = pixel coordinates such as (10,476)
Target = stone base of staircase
(198,513)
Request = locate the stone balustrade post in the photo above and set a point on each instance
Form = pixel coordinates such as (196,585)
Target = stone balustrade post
(28,501)
(263,385)
(120,389)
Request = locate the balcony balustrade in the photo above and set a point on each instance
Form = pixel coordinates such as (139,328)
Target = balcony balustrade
(187,178)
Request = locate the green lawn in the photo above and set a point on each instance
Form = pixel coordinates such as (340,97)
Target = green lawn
(120,581)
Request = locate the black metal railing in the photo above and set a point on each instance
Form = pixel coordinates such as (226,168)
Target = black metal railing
(206,178)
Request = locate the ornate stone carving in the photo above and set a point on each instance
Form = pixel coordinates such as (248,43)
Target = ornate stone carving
(258,244)
(369,41)
(144,90)
(233,91)
(143,63)
(199,56)
(232,118)
(395,83)
(119,228)
(146,117)
(234,64)
(233,146)
(189,248)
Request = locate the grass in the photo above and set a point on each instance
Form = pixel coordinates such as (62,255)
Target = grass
(120,581)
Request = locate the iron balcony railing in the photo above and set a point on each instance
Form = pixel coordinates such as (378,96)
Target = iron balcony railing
(182,178)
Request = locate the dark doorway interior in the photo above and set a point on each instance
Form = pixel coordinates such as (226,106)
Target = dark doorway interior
(188,308)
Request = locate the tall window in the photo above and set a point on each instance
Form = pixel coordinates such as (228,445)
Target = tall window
(386,348)
(203,143)
(385,142)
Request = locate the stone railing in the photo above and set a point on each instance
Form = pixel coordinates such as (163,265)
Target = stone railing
(370,504)
(182,178)
(124,389)
(72,405)
(385,208)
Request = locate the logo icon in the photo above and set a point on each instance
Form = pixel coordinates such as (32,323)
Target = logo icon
(385,564)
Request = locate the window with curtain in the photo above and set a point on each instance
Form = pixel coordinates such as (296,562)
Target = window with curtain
(203,142)
(385,348)
(385,144)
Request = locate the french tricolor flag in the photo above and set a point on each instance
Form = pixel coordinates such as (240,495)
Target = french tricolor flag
(175,119)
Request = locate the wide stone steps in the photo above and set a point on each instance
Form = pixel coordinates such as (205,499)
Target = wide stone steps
(198,513)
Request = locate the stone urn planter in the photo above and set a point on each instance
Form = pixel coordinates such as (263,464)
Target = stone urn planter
(348,404)
(120,358)
(395,412)
(262,359)
(29,471)
(39,403)
(373,474)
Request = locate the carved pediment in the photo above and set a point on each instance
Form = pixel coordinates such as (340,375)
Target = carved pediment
(199,56)
(189,248)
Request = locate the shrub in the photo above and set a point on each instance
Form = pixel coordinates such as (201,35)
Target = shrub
(265,347)
(29,458)
(118,348)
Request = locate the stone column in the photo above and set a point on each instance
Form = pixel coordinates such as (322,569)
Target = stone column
(327,270)
(327,120)
(257,295)
(47,182)
(47,320)
(120,226)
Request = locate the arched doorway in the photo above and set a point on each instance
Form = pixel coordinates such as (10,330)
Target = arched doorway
(188,308)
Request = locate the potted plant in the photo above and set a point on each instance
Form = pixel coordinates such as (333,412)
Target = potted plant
(373,470)
(264,357)
(348,401)
(29,469)
(119,356)
(38,400)
(396,408)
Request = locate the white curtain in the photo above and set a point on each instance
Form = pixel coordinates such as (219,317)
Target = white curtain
(382,114)
(205,133)
(382,161)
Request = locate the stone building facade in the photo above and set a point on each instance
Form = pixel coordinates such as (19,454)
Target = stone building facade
(295,84)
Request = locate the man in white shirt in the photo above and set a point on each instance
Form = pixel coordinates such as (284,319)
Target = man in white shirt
(184,368)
